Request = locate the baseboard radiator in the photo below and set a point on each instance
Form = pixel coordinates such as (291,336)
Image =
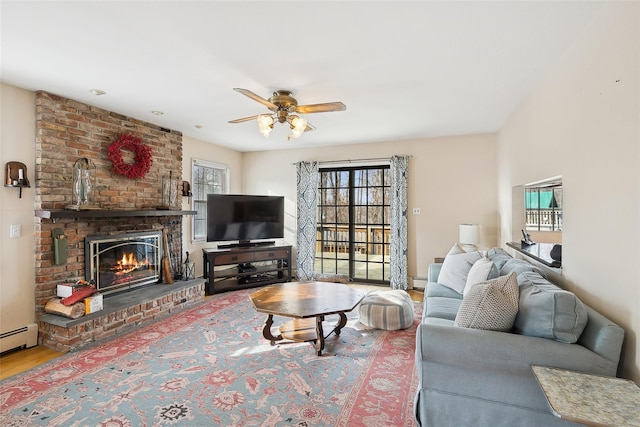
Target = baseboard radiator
(26,336)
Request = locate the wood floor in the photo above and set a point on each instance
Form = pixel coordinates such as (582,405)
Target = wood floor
(17,361)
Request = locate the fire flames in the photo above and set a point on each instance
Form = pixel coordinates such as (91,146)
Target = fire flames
(129,263)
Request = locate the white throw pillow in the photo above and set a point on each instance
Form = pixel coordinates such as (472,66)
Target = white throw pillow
(455,269)
(455,249)
(481,271)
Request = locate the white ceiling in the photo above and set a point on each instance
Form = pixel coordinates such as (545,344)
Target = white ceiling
(404,69)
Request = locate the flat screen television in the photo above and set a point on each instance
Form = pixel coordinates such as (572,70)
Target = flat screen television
(244,218)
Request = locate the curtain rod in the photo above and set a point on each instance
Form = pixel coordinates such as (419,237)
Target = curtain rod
(373,159)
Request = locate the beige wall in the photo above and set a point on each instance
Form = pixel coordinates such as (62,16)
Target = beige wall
(17,136)
(196,149)
(452,180)
(583,124)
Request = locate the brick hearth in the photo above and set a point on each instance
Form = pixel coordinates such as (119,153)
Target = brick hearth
(67,130)
(120,313)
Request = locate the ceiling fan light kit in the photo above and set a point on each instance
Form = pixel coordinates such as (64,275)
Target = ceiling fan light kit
(265,124)
(298,126)
(282,104)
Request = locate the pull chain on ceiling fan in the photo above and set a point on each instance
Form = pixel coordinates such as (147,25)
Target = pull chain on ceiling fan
(283,105)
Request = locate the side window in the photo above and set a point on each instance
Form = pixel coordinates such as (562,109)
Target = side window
(543,207)
(208,178)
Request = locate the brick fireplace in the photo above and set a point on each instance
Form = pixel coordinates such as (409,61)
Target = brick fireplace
(67,130)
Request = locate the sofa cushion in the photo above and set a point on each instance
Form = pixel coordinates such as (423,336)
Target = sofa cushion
(519,266)
(455,269)
(499,257)
(491,305)
(481,271)
(548,311)
(441,308)
(496,251)
(434,289)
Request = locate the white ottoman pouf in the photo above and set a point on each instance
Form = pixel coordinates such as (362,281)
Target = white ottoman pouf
(389,310)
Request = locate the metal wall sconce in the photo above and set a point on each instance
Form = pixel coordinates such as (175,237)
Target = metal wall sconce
(15,175)
(186,189)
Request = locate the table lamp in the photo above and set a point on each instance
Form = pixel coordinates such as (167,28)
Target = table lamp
(469,236)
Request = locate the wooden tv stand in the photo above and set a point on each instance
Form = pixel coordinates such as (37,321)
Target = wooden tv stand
(248,267)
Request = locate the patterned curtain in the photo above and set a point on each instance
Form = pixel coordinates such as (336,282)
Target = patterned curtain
(398,244)
(308,179)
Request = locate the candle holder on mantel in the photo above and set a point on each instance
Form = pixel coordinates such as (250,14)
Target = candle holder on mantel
(84,184)
(169,191)
(15,175)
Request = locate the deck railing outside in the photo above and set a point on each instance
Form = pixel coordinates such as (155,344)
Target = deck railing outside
(543,219)
(372,240)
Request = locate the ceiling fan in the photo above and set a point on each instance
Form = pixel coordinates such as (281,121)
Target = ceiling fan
(283,106)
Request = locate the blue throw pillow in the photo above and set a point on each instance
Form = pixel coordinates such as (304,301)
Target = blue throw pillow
(547,311)
(499,257)
(519,266)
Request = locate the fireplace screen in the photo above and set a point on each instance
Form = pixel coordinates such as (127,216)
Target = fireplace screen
(124,261)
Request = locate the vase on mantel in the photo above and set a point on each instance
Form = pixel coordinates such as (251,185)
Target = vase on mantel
(169,191)
(84,184)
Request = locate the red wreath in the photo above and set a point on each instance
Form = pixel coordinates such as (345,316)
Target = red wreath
(142,160)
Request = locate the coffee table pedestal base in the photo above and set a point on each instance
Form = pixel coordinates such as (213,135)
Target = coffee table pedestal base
(304,330)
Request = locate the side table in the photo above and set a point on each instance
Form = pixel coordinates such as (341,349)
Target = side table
(589,399)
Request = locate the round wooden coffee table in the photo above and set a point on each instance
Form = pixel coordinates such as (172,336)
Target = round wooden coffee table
(307,303)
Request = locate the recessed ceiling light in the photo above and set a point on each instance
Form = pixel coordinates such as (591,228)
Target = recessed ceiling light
(157,113)
(97,92)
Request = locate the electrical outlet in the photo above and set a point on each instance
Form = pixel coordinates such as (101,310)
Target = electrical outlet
(15,231)
(416,211)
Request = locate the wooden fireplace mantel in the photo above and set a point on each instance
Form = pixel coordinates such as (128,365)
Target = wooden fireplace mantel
(107,213)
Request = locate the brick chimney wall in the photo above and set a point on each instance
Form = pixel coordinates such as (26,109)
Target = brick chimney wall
(67,130)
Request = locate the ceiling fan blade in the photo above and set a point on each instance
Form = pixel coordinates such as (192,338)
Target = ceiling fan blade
(255,97)
(244,119)
(320,108)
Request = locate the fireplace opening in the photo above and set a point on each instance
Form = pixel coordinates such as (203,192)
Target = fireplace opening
(123,262)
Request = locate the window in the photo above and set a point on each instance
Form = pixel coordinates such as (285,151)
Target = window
(353,233)
(208,178)
(543,207)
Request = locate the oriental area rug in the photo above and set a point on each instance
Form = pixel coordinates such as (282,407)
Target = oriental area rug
(209,365)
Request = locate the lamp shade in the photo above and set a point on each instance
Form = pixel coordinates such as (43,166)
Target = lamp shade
(469,234)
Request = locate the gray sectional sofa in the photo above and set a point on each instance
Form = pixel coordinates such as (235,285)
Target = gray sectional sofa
(476,377)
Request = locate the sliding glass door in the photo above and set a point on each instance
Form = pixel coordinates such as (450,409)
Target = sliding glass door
(353,223)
